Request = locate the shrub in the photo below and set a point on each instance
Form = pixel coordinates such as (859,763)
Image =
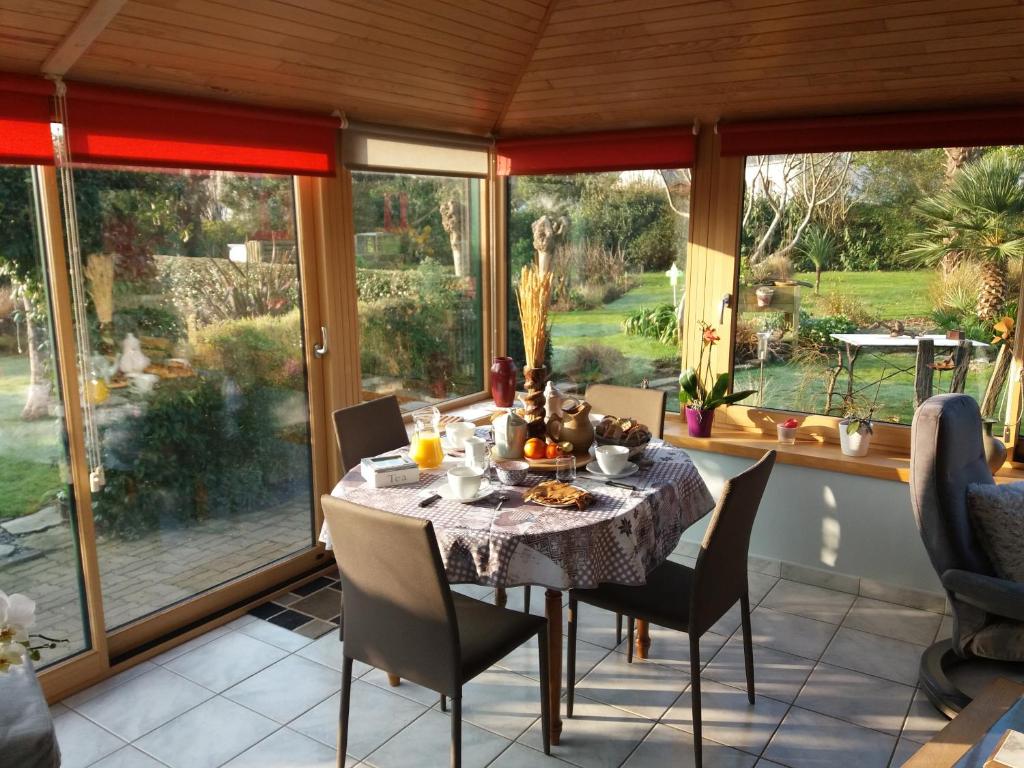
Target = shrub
(846,305)
(253,351)
(197,448)
(816,332)
(219,289)
(593,363)
(660,324)
(160,322)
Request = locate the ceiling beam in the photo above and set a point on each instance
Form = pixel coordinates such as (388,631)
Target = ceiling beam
(86,30)
(522,71)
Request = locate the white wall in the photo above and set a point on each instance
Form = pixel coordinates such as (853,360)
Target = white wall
(831,521)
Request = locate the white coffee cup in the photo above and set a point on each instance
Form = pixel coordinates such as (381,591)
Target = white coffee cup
(612,458)
(465,481)
(476,452)
(458,432)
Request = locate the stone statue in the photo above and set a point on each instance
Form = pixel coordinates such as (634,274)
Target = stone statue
(451,220)
(548,234)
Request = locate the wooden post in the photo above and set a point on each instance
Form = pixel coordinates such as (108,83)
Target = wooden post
(924,376)
(961,364)
(1000,372)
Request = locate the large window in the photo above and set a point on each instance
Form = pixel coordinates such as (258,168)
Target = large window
(38,536)
(418,277)
(609,239)
(869,279)
(197,380)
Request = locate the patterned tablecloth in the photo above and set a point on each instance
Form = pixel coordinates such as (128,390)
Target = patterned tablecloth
(619,539)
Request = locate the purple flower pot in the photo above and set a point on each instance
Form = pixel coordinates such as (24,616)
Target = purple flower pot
(699,422)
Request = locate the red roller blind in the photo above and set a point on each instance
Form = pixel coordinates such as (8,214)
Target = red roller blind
(123,127)
(911,130)
(593,152)
(25,120)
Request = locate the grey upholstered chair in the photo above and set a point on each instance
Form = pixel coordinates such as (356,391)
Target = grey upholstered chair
(947,456)
(687,599)
(369,429)
(402,616)
(645,405)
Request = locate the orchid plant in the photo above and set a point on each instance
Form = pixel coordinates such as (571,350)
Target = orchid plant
(699,387)
(17,616)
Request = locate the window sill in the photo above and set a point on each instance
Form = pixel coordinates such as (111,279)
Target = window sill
(881,463)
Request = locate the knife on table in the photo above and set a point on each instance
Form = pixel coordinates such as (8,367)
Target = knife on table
(430,500)
(621,485)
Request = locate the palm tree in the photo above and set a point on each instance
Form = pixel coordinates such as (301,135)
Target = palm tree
(819,247)
(980,216)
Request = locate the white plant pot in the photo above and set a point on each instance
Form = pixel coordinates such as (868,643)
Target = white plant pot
(764,296)
(856,444)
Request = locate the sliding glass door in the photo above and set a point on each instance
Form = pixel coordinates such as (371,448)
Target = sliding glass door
(39,553)
(197,382)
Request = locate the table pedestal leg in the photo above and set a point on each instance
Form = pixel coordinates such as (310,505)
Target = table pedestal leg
(394,680)
(643,639)
(500,597)
(553,610)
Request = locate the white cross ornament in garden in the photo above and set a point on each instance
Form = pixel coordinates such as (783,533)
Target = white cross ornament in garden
(673,277)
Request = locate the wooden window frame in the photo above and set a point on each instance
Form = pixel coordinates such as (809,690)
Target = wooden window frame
(712,270)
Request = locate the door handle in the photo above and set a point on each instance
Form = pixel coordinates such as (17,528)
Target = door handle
(726,301)
(319,350)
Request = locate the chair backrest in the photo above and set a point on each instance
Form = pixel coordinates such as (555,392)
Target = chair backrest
(946,456)
(399,613)
(369,429)
(720,575)
(645,405)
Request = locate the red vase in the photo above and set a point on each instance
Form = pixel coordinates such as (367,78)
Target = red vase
(503,382)
(699,421)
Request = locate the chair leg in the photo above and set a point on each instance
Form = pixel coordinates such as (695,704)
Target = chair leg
(695,699)
(444,703)
(618,628)
(545,699)
(346,695)
(630,625)
(570,666)
(526,599)
(456,761)
(748,647)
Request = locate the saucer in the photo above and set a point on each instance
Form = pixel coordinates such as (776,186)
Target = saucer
(486,489)
(595,469)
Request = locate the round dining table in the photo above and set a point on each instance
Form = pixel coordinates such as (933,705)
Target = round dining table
(630,528)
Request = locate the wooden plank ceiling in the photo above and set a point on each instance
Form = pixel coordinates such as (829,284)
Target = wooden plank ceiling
(515,67)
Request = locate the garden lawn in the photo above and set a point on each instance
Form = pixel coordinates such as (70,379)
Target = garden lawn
(890,295)
(602,326)
(29,450)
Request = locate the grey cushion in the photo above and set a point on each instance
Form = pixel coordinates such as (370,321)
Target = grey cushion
(997,514)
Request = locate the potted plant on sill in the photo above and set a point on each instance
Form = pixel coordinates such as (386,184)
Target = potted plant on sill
(701,391)
(856,426)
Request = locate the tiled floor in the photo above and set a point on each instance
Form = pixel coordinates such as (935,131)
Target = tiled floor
(836,679)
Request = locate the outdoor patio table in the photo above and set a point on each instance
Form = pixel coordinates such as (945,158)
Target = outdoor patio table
(855,342)
(620,538)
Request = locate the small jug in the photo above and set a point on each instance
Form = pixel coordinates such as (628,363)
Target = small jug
(510,435)
(574,426)
(426,449)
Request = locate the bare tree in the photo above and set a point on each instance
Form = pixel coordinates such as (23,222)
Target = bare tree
(815,186)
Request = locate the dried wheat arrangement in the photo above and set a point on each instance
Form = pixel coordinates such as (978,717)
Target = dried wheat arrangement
(99,269)
(533,295)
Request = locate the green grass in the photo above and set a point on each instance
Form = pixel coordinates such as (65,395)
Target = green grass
(603,326)
(890,295)
(29,450)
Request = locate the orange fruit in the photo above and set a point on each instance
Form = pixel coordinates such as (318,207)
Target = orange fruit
(534,448)
(552,451)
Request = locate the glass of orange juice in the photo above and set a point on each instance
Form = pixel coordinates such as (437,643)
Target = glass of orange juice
(426,448)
